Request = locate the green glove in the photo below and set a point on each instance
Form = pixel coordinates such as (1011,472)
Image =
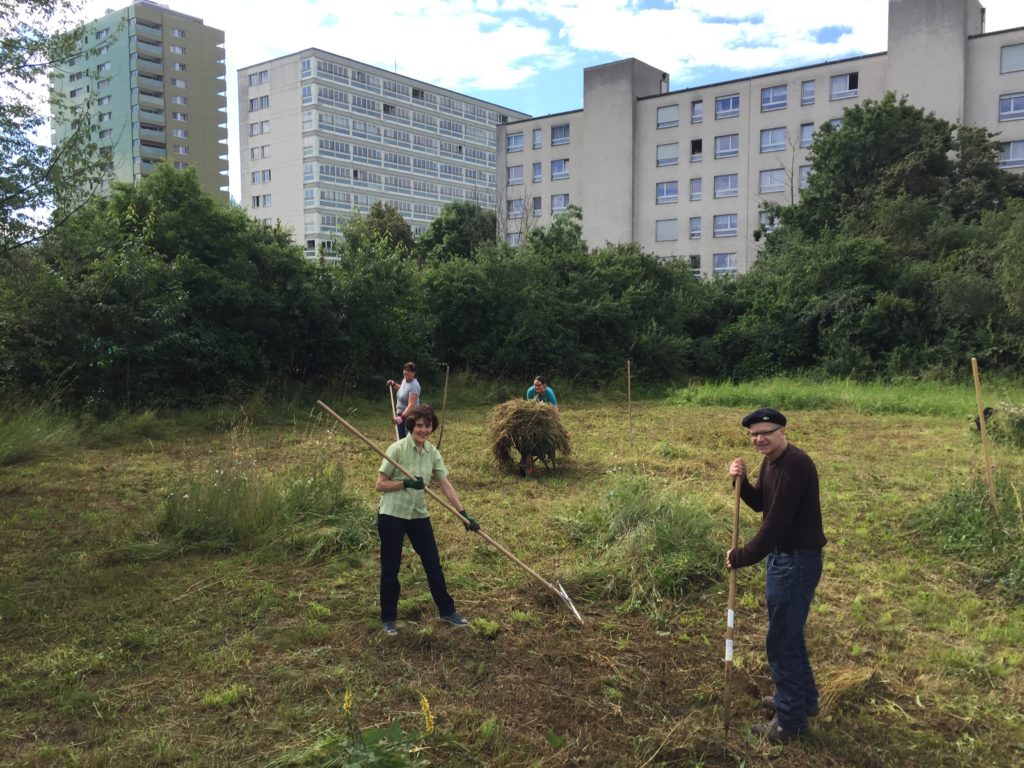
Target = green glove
(416,485)
(472,525)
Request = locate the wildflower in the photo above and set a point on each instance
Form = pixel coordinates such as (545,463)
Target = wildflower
(347,704)
(428,716)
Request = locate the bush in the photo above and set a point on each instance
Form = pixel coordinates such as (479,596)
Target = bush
(310,513)
(962,524)
(650,544)
(32,434)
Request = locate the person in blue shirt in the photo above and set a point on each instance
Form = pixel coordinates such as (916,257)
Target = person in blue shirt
(542,392)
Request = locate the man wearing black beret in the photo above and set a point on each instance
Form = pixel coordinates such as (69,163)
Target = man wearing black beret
(790,539)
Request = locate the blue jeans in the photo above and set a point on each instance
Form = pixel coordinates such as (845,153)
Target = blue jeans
(392,532)
(791,578)
(401,429)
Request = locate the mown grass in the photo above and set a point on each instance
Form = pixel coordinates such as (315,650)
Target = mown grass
(232,654)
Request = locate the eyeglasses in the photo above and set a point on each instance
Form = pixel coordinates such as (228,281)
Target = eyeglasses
(763,433)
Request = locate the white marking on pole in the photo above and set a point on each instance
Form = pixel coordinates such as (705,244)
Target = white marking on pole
(730,620)
(728,650)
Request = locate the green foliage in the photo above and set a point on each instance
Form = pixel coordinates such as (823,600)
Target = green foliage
(308,513)
(30,434)
(384,222)
(650,545)
(226,697)
(1006,426)
(458,232)
(962,524)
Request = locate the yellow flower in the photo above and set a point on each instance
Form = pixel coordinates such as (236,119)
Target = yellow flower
(428,716)
(347,705)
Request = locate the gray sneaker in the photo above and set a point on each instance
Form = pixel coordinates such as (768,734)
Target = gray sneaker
(390,628)
(455,619)
(773,732)
(768,702)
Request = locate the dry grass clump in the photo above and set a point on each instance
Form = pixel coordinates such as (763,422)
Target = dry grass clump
(518,427)
(849,686)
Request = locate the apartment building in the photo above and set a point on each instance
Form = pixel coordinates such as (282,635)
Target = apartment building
(155,79)
(686,173)
(324,136)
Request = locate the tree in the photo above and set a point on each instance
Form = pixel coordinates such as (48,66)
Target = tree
(384,221)
(33,177)
(461,228)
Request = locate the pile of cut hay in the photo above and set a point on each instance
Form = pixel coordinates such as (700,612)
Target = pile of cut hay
(521,427)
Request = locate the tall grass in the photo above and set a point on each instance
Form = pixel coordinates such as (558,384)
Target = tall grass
(963,525)
(310,513)
(913,397)
(649,544)
(30,434)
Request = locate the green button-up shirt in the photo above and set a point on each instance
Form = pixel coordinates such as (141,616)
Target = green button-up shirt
(423,462)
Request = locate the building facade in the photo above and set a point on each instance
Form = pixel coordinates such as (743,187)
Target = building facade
(686,173)
(324,136)
(155,79)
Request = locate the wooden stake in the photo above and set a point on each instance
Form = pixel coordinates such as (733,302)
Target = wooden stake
(444,405)
(984,443)
(559,590)
(730,618)
(629,398)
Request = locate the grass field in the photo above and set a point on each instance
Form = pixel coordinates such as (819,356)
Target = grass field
(132,635)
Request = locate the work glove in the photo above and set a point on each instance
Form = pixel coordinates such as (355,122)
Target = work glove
(415,485)
(472,525)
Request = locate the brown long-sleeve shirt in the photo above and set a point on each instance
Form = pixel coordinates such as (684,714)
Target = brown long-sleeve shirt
(787,495)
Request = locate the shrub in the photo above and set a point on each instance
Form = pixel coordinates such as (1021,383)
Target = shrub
(650,544)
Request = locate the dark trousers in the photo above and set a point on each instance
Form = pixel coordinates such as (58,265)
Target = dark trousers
(401,429)
(791,578)
(392,532)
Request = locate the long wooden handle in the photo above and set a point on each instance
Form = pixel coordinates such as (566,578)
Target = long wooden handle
(441,500)
(444,404)
(391,391)
(730,618)
(984,442)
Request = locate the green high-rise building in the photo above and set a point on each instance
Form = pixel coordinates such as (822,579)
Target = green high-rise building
(155,82)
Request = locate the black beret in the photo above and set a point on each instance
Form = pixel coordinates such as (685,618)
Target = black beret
(769,415)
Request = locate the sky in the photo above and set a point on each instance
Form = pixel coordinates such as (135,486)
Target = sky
(529,55)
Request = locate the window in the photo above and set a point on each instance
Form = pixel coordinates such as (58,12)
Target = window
(844,86)
(265,176)
(806,92)
(254,177)
(773,139)
(560,169)
(76,92)
(513,238)
(256,78)
(695,150)
(773,98)
(559,203)
(181,117)
(177,82)
(258,153)
(103,84)
(180,165)
(1011,154)
(727,106)
(178,66)
(537,206)
(179,133)
(105,116)
(696,189)
(179,149)
(1011,107)
(538,138)
(727,185)
(180,33)
(806,134)
(262,102)
(102,101)
(666,230)
(694,261)
(1011,58)
(667,192)
(179,50)
(104,67)
(514,142)
(668,117)
(559,134)
(695,227)
(106,133)
(727,146)
(515,209)
(836,122)
(773,180)
(697,111)
(768,222)
(514,174)
(723,263)
(102,34)
(668,154)
(537,172)
(179,99)
(805,175)
(725,225)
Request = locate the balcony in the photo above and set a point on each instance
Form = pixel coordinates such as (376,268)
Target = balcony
(157,50)
(155,83)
